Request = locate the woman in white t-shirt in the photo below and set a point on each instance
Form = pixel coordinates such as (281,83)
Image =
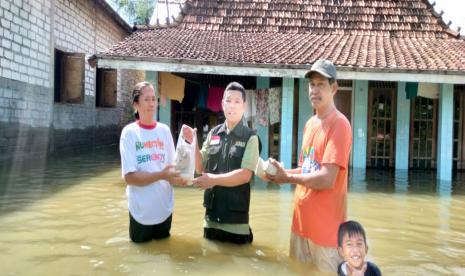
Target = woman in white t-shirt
(147,153)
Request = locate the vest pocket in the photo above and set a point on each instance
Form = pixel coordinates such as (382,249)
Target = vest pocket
(213,158)
(238,202)
(236,153)
(213,150)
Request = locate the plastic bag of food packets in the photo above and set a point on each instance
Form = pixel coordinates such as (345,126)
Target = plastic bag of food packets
(185,158)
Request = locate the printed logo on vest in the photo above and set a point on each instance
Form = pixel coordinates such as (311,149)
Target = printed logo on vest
(240,144)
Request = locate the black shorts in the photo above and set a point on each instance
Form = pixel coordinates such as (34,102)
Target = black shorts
(144,233)
(220,235)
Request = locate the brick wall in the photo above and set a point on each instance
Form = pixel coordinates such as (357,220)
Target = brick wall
(29,33)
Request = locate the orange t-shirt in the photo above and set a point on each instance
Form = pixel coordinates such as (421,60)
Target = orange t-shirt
(318,213)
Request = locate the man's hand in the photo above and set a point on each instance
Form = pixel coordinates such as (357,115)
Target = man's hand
(205,181)
(188,133)
(281,176)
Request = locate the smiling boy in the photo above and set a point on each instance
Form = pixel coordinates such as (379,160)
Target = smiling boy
(352,247)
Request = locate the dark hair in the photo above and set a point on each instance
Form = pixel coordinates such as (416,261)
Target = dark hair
(236,87)
(136,94)
(351,228)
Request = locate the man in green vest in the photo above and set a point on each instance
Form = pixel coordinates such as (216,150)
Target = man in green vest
(226,162)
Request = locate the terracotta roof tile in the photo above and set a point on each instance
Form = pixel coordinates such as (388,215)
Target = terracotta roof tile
(381,34)
(294,48)
(313,16)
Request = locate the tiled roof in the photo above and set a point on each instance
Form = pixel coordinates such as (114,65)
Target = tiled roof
(380,34)
(397,17)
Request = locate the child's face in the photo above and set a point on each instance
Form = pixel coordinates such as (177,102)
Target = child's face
(353,250)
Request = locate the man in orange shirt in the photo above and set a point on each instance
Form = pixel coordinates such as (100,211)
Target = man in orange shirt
(320,204)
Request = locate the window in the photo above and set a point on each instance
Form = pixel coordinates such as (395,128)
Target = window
(69,77)
(106,88)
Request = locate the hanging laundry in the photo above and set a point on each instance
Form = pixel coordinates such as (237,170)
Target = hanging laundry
(203,95)
(250,105)
(215,95)
(274,105)
(411,89)
(262,107)
(428,90)
(171,86)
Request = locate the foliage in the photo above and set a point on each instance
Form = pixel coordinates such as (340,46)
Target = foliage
(138,12)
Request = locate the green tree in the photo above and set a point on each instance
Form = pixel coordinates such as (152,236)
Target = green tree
(138,12)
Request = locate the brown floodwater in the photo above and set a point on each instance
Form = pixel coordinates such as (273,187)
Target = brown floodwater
(68,216)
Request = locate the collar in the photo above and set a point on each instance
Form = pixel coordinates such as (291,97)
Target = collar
(151,126)
(238,130)
(344,268)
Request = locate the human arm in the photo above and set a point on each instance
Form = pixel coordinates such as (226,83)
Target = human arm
(139,178)
(334,157)
(229,179)
(236,177)
(319,180)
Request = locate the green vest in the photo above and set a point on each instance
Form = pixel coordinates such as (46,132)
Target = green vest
(227,204)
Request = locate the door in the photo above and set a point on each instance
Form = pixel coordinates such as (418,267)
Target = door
(381,124)
(343,98)
(459,129)
(423,126)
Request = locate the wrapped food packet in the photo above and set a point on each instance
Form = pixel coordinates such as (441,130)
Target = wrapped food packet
(264,167)
(185,158)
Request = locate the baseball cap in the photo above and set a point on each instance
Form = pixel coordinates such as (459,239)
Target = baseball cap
(324,67)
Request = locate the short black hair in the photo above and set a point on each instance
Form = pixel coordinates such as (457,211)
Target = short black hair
(351,228)
(236,87)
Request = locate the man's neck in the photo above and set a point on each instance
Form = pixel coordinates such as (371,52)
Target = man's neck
(323,113)
(230,125)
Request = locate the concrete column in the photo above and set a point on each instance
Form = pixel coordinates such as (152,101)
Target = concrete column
(164,112)
(360,124)
(402,128)
(263,131)
(305,112)
(287,112)
(445,132)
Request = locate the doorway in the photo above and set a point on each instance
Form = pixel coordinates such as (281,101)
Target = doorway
(381,124)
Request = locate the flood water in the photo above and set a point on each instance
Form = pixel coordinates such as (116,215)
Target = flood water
(68,216)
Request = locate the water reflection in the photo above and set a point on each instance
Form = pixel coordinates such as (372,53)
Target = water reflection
(66,216)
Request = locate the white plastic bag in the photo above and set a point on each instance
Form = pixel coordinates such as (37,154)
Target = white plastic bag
(185,158)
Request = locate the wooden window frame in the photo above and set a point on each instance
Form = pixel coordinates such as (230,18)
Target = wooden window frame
(69,77)
(106,87)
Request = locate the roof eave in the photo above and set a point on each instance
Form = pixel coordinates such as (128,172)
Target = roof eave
(274,70)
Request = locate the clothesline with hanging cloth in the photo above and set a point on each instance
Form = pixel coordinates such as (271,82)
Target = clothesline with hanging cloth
(263,106)
(422,89)
(171,86)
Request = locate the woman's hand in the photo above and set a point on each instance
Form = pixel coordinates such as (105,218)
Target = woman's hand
(172,176)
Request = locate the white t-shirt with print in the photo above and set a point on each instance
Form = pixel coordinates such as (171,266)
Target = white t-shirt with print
(147,150)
